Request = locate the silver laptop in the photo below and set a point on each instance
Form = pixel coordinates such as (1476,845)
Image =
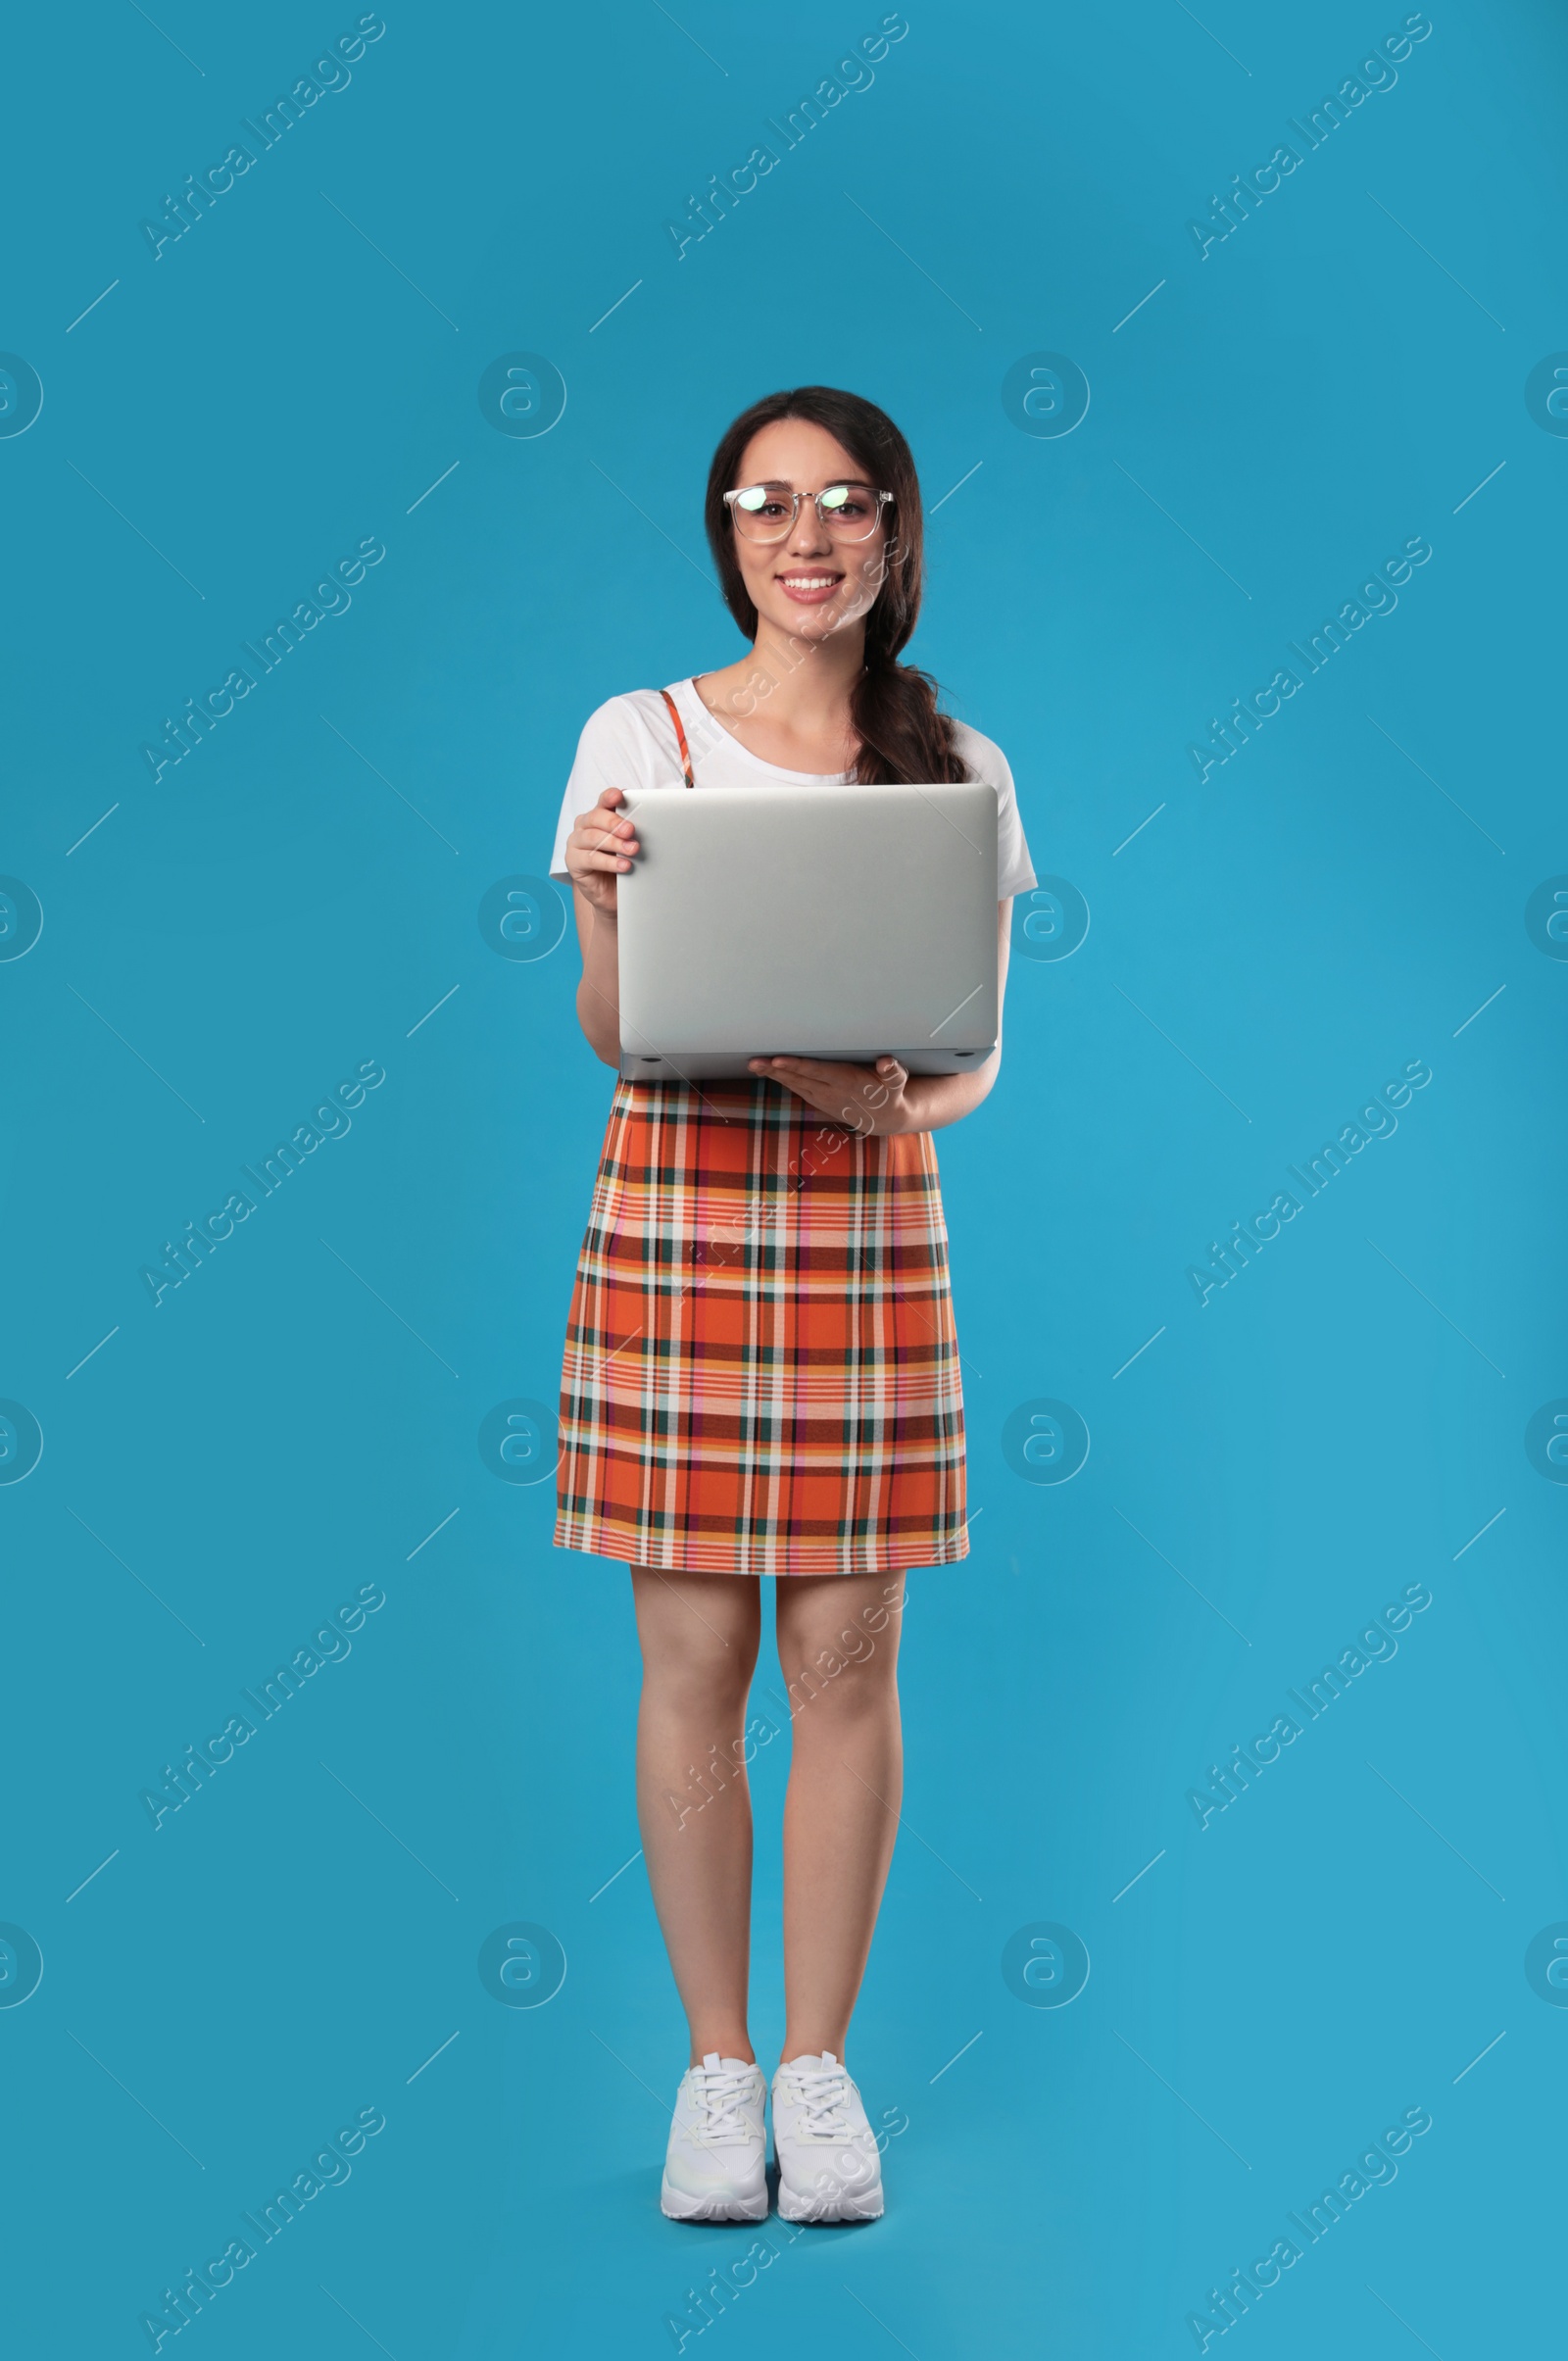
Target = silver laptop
(834,921)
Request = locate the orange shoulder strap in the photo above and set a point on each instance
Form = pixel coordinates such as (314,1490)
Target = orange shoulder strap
(680,737)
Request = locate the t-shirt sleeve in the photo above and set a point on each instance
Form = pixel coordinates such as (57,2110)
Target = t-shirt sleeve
(616,749)
(1014,869)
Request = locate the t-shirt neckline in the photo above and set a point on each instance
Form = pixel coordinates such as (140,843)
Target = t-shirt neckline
(693,709)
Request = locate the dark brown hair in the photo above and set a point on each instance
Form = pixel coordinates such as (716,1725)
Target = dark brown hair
(903,738)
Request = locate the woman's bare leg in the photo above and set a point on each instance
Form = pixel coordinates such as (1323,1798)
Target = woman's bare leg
(699,1635)
(838,1644)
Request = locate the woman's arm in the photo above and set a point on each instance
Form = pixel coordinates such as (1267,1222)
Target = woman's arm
(934,1100)
(599,848)
(599,989)
(885,1097)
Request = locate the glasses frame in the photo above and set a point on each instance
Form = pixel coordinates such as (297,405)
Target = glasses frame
(844,483)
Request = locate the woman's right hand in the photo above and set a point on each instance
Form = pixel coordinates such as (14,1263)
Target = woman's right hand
(601,848)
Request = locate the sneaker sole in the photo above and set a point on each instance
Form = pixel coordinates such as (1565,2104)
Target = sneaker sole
(795,2208)
(677,2206)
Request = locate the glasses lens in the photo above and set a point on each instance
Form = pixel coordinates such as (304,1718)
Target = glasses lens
(851,511)
(761,513)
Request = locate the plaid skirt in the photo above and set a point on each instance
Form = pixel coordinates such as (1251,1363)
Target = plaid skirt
(761,1373)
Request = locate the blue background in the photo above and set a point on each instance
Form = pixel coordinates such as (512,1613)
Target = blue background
(298,895)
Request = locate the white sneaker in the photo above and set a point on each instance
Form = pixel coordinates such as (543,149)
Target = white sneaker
(829,2169)
(716,2166)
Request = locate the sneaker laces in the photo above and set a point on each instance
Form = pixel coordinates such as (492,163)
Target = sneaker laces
(716,2093)
(823,2092)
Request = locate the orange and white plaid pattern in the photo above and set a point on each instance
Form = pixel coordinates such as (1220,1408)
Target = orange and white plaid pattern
(761,1372)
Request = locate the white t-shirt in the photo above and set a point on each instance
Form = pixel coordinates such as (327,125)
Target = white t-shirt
(630,743)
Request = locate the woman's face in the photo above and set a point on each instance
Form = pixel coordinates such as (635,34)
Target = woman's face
(810,582)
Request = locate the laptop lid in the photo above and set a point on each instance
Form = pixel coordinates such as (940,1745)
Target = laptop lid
(837,921)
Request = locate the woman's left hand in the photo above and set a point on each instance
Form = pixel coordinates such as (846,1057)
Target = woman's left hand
(865,1099)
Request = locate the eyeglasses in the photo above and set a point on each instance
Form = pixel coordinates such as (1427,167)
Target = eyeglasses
(767,511)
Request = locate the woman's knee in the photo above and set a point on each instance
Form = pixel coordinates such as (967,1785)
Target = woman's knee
(697,1651)
(848,1646)
(830,1687)
(698,1686)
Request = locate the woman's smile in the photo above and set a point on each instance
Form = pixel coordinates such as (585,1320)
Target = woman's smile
(809,589)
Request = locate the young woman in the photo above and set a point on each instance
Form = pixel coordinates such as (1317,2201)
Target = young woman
(760,1372)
